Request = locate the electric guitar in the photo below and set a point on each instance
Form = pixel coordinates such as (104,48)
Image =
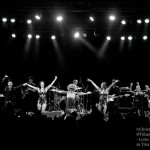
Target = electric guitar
(112,97)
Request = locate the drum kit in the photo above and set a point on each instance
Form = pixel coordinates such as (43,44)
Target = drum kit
(58,103)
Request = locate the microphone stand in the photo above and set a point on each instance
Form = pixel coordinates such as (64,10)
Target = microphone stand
(83,102)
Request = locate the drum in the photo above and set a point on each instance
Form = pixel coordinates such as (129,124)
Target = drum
(57,99)
(62,104)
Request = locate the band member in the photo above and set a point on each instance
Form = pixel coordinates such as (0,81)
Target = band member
(79,99)
(10,95)
(42,90)
(29,97)
(75,82)
(104,92)
(147,98)
(71,97)
(138,98)
(113,105)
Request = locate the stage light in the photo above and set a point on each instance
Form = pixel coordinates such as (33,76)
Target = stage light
(108,38)
(123,22)
(37,36)
(13,35)
(4,19)
(12,20)
(59,18)
(112,18)
(76,35)
(84,35)
(37,17)
(122,38)
(146,20)
(129,37)
(29,36)
(144,37)
(29,21)
(92,19)
(53,37)
(139,21)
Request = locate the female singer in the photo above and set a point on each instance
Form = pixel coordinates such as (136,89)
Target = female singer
(104,92)
(42,90)
(71,97)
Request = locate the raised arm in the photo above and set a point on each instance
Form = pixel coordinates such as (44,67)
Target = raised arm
(131,85)
(46,89)
(59,91)
(83,93)
(31,86)
(89,80)
(3,82)
(19,86)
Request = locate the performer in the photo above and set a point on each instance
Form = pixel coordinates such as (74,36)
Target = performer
(71,97)
(138,98)
(146,103)
(112,106)
(104,92)
(29,97)
(79,99)
(75,82)
(10,96)
(42,90)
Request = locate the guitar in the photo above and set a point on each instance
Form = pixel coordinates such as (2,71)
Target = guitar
(112,97)
(109,99)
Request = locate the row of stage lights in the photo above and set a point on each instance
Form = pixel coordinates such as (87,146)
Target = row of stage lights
(77,35)
(91,18)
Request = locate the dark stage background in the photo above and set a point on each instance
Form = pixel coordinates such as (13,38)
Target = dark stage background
(75,59)
(40,59)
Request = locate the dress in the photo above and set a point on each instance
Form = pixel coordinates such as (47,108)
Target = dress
(42,101)
(71,101)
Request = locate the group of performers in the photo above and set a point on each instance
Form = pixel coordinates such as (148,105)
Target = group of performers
(106,95)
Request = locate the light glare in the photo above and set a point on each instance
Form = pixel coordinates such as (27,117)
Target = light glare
(129,37)
(4,19)
(122,38)
(29,21)
(53,37)
(77,34)
(139,21)
(146,20)
(144,37)
(12,20)
(13,35)
(29,36)
(123,22)
(91,18)
(37,36)
(37,17)
(108,38)
(59,18)
(112,18)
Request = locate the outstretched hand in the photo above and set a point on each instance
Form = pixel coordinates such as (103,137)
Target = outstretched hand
(25,84)
(117,81)
(89,80)
(131,83)
(6,76)
(89,92)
